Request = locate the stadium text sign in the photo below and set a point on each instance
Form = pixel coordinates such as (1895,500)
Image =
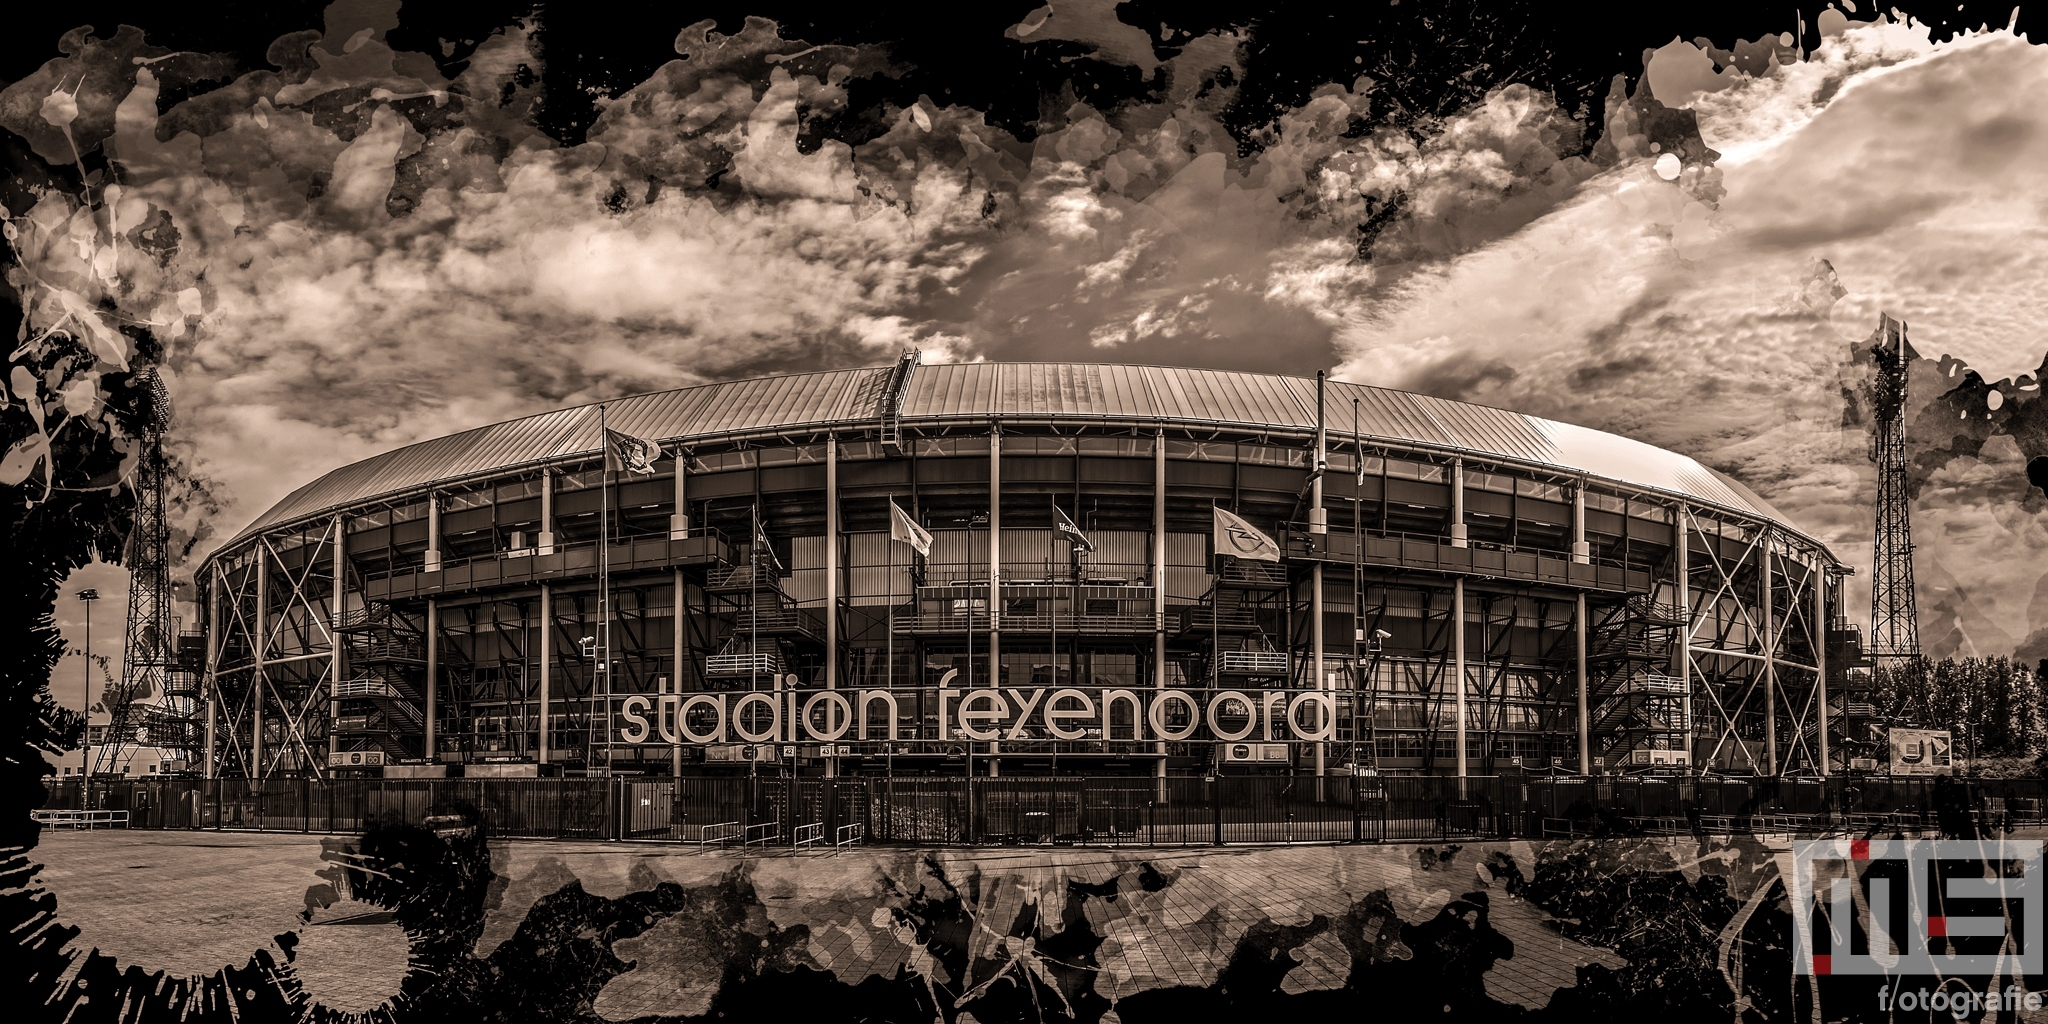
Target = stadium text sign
(1903,907)
(789,715)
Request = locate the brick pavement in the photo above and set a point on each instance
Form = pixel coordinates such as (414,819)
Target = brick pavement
(187,903)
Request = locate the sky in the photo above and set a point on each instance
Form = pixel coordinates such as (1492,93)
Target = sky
(372,244)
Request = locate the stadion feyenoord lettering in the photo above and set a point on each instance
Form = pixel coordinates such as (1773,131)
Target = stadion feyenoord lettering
(788,715)
(1902,907)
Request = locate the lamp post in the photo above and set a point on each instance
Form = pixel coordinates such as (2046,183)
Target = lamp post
(88,596)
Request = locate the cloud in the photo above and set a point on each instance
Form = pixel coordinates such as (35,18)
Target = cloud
(357,251)
(1712,314)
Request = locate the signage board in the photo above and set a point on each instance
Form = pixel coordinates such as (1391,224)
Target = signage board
(355,759)
(1921,752)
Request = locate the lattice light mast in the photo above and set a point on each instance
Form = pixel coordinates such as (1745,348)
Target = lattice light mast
(1894,613)
(149,657)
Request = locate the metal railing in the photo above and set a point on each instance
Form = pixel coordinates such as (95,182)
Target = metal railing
(365,688)
(726,665)
(80,819)
(745,810)
(1064,622)
(1663,685)
(1254,662)
(705,835)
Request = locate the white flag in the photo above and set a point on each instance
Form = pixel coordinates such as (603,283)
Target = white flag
(1234,536)
(902,528)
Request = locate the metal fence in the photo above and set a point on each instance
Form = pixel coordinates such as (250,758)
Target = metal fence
(1134,811)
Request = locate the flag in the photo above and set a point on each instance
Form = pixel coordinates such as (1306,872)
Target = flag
(625,453)
(763,546)
(1234,536)
(1074,534)
(903,528)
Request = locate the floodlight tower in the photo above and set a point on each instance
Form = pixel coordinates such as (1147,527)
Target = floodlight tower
(149,657)
(1894,613)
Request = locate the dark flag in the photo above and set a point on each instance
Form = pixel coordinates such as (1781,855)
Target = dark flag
(1074,534)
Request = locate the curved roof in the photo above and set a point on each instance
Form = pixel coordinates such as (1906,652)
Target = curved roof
(1020,391)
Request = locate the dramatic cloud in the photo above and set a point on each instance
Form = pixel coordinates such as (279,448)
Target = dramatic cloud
(1716,313)
(357,250)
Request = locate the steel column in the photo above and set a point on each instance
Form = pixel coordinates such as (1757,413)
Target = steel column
(547,662)
(336,614)
(1765,568)
(995,557)
(1158,600)
(1582,552)
(676,673)
(1679,519)
(1319,529)
(260,646)
(1458,532)
(433,532)
(545,543)
(679,520)
(433,752)
(831,590)
(1458,669)
(1585,714)
(212,671)
(1821,580)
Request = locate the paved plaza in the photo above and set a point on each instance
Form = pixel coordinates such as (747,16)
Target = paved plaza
(190,903)
(954,920)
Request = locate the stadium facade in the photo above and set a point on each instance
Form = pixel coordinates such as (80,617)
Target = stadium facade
(1461,589)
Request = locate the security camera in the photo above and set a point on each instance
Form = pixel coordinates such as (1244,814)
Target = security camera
(1381,634)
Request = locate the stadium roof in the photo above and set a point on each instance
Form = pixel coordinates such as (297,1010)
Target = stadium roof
(968,392)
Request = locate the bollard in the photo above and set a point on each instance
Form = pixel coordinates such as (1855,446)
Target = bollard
(1216,806)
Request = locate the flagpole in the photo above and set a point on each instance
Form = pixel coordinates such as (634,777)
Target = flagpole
(968,741)
(1357,581)
(754,605)
(889,586)
(604,586)
(1074,550)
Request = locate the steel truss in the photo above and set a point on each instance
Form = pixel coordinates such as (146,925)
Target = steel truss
(271,699)
(1747,623)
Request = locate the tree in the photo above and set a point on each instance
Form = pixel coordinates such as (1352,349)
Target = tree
(1994,706)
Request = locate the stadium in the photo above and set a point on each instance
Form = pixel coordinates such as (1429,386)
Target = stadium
(1096,569)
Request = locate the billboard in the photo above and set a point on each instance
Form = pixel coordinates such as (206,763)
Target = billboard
(1921,752)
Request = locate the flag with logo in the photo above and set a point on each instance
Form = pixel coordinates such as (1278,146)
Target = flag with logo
(905,530)
(1234,536)
(624,453)
(1073,533)
(763,545)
